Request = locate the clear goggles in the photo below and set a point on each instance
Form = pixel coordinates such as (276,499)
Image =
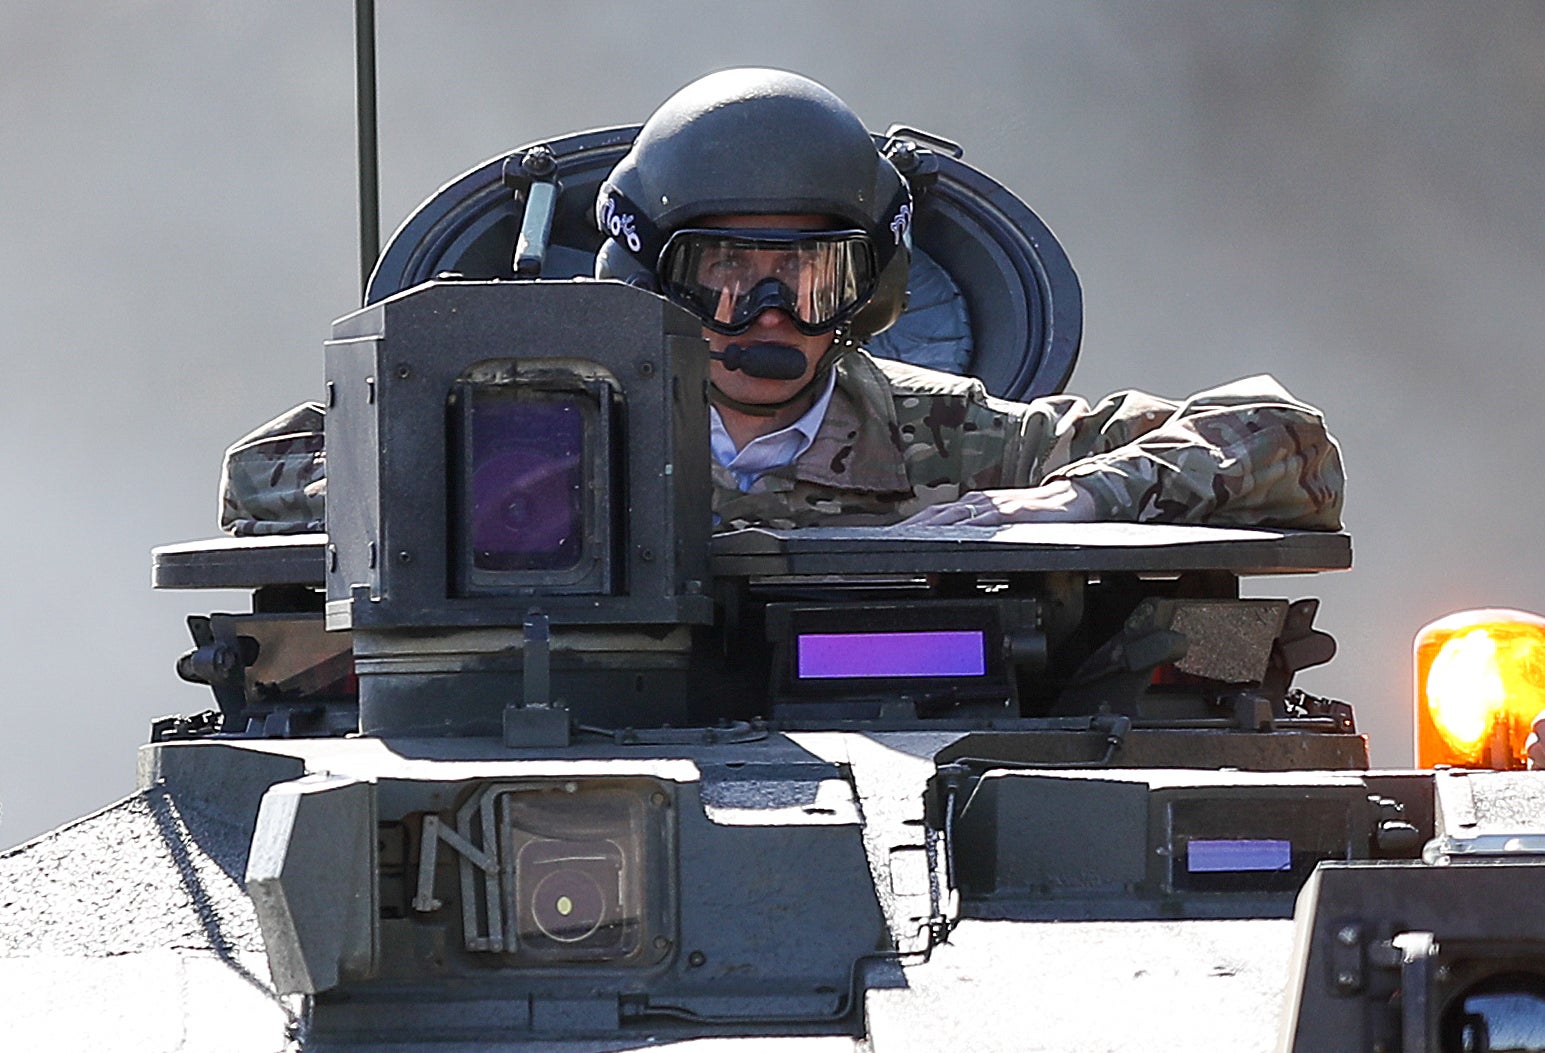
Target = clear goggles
(728,277)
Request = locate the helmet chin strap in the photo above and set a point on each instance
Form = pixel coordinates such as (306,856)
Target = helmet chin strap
(841,344)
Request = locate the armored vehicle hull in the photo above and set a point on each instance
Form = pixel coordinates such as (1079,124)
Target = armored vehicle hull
(517,755)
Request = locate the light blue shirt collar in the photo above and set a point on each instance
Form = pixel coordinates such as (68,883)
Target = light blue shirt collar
(774,450)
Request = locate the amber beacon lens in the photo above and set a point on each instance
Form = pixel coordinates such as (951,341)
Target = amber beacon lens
(1480,685)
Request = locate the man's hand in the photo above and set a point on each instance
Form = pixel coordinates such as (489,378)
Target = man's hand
(1056,502)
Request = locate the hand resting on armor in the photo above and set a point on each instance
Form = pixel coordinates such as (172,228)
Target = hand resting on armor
(1059,501)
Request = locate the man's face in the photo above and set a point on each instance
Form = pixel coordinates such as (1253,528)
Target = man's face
(772,326)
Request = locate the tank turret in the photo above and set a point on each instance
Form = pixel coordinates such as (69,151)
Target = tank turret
(626,778)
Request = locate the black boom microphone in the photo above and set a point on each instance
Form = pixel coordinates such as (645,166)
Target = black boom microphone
(766,361)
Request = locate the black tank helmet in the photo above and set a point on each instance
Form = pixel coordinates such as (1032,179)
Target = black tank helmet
(756,141)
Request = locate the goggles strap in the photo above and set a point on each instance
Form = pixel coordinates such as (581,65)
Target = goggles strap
(842,343)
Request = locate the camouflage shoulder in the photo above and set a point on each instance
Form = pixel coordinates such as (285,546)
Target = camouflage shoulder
(306,419)
(274,478)
(906,379)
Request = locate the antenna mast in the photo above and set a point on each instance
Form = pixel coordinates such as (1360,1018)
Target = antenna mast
(365,100)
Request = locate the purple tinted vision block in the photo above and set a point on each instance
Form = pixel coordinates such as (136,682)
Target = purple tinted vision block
(1214,857)
(832,655)
(527,482)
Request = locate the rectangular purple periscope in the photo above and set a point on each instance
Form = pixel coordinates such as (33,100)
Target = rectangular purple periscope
(1213,857)
(825,656)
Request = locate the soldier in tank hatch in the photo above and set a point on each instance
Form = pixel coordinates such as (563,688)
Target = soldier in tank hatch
(757,200)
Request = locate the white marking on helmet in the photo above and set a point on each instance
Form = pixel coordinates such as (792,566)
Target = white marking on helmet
(620,224)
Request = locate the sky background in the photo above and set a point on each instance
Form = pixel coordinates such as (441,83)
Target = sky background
(1350,195)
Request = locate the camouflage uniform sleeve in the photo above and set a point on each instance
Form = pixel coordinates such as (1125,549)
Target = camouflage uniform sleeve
(1244,454)
(274,479)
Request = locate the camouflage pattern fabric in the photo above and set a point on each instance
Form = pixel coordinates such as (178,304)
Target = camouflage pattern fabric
(274,478)
(897,439)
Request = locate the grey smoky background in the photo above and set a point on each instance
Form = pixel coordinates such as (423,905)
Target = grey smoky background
(1348,195)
